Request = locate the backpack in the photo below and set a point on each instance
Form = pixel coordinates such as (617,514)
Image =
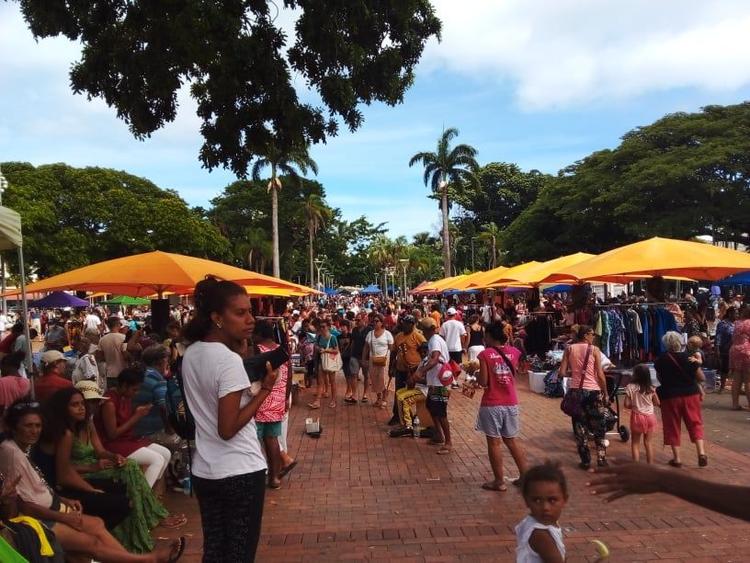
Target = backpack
(178,412)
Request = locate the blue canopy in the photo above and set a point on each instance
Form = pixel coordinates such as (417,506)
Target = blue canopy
(371,290)
(560,288)
(462,292)
(742,278)
(60,299)
(329,291)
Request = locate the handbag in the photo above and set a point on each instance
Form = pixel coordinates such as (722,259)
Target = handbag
(572,401)
(378,360)
(331,362)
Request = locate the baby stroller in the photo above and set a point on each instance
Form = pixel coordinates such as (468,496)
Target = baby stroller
(617,380)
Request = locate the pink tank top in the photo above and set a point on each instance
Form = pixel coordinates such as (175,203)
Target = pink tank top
(576,356)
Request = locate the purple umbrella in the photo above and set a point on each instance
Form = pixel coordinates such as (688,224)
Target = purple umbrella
(60,299)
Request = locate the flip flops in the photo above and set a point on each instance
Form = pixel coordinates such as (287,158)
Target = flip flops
(285,470)
(490,486)
(180,547)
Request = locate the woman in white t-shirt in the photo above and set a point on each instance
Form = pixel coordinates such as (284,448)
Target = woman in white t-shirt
(229,470)
(378,346)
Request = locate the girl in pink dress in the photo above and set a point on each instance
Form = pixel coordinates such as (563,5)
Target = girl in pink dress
(641,398)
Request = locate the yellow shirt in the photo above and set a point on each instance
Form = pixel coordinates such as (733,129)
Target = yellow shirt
(436,317)
(408,349)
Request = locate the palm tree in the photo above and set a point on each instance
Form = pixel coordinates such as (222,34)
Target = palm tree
(445,168)
(286,163)
(490,233)
(316,214)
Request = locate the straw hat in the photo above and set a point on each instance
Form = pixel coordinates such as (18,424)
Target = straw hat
(90,390)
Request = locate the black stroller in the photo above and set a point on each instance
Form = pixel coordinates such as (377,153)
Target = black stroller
(617,380)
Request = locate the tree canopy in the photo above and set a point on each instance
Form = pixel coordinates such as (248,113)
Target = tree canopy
(240,64)
(75,216)
(683,176)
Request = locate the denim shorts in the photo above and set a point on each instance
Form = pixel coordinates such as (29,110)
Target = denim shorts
(268,429)
(501,421)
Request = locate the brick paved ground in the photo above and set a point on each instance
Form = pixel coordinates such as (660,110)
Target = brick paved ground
(359,495)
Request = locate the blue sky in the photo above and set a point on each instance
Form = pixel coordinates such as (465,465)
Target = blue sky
(541,84)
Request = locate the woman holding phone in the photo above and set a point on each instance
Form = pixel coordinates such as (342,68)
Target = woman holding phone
(229,470)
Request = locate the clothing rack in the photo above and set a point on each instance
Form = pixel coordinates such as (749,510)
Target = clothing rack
(542,313)
(646,303)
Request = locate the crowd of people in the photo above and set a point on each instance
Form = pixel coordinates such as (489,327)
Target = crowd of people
(92,454)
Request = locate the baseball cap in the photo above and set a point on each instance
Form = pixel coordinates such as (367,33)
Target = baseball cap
(295,312)
(427,322)
(90,390)
(451,311)
(52,356)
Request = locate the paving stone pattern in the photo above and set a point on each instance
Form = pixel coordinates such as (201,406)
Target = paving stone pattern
(358,494)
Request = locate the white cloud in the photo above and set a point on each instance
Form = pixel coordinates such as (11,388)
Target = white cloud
(567,53)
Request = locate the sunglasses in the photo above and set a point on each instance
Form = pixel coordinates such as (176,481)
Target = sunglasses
(27,405)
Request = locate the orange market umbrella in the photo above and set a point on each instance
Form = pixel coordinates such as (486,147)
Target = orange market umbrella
(465,283)
(533,276)
(448,283)
(152,272)
(658,257)
(493,280)
(480,279)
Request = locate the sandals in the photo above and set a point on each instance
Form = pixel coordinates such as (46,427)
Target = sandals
(702,460)
(285,470)
(274,485)
(675,463)
(332,405)
(364,400)
(492,486)
(177,550)
(444,451)
(173,522)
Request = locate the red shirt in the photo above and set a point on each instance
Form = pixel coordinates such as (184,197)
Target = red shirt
(501,385)
(127,443)
(6,344)
(47,385)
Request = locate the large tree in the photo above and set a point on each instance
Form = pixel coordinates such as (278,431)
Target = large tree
(286,163)
(447,169)
(76,216)
(684,175)
(316,214)
(240,64)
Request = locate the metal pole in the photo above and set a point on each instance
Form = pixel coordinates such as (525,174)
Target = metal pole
(3,301)
(25,307)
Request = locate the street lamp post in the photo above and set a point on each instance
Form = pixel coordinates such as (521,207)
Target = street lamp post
(404,262)
(3,187)
(318,263)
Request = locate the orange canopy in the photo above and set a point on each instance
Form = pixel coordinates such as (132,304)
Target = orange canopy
(658,257)
(153,272)
(492,279)
(533,276)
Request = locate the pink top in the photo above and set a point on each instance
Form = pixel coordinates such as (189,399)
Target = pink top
(642,402)
(272,409)
(576,355)
(501,386)
(739,353)
(12,388)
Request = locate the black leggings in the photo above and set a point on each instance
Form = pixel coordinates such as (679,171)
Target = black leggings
(231,514)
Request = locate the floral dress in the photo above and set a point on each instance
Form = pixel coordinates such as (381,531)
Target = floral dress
(134,533)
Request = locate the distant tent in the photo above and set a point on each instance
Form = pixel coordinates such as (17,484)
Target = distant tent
(371,290)
(560,288)
(60,299)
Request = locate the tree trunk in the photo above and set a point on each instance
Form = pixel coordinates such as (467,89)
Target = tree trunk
(310,256)
(275,223)
(494,253)
(446,233)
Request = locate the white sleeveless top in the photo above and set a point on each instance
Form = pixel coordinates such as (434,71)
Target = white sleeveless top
(524,553)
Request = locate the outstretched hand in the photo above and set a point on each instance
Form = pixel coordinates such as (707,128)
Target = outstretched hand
(626,478)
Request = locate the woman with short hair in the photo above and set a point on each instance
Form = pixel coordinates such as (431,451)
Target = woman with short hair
(680,397)
(739,358)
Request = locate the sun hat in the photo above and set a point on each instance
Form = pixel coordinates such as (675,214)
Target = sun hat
(427,323)
(90,390)
(52,356)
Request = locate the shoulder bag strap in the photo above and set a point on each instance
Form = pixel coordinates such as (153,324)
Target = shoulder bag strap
(585,365)
(506,360)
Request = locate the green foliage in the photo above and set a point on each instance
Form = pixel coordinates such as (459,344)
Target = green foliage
(76,216)
(240,65)
(684,175)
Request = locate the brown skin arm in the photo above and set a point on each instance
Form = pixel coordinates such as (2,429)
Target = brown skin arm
(68,474)
(232,418)
(109,420)
(622,479)
(541,541)
(601,378)
(564,364)
(483,376)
